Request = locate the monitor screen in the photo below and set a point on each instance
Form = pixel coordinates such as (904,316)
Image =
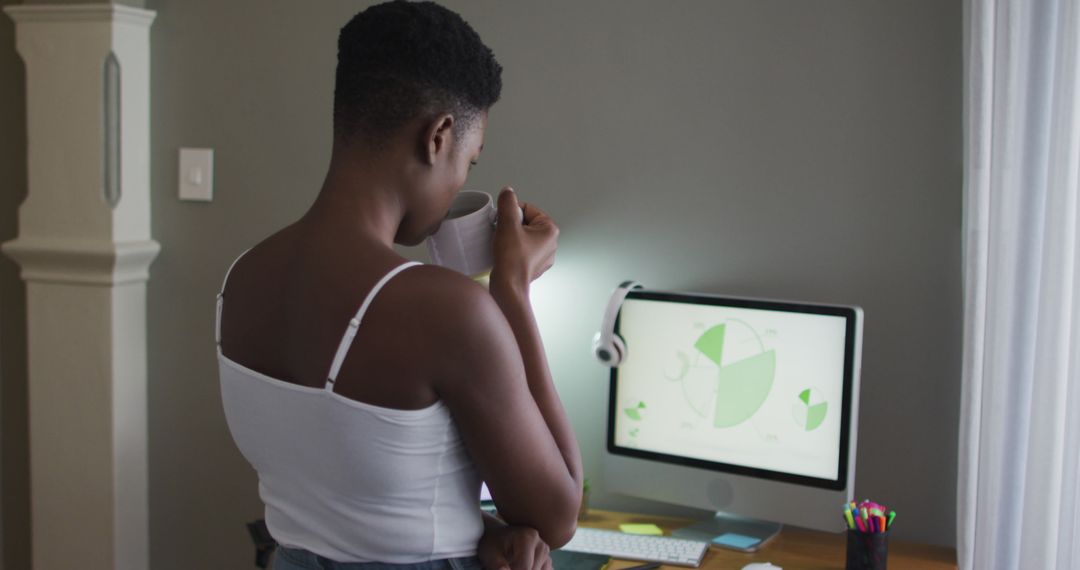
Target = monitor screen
(751,387)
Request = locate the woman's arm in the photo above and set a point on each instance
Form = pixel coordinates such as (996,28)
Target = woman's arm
(492,374)
(515,305)
(523,253)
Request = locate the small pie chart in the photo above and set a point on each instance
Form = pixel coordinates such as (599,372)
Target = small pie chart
(809,409)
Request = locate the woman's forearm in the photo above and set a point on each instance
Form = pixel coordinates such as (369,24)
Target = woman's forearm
(513,300)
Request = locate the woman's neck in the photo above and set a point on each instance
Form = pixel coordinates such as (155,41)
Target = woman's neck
(360,198)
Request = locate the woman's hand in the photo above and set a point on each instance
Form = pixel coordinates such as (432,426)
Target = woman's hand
(525,243)
(513,548)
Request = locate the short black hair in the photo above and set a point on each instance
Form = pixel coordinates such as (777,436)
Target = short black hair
(401,60)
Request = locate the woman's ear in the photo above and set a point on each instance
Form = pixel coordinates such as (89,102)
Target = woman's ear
(437,137)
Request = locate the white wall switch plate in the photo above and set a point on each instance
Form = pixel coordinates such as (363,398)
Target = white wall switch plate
(197,174)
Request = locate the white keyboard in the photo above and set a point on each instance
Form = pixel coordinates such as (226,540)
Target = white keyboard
(663,549)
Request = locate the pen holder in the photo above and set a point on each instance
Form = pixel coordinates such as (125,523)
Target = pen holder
(867,551)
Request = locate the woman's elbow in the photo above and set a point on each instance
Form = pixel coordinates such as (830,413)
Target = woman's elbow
(552,513)
(564,523)
(560,534)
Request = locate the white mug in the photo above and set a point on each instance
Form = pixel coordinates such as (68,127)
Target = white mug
(464,240)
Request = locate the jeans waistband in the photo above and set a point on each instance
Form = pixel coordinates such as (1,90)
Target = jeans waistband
(288,558)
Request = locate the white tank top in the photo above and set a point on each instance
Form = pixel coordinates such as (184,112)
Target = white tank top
(347,480)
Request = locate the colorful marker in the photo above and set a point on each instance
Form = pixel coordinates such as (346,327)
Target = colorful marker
(868,517)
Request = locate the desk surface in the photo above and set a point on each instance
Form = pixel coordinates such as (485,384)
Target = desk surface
(794,549)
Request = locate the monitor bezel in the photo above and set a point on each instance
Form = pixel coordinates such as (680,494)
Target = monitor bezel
(850,315)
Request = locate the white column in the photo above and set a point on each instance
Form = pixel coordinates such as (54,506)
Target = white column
(84,250)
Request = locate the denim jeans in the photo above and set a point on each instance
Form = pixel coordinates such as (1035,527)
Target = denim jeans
(297,559)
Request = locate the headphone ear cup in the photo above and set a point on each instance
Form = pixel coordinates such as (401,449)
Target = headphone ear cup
(620,350)
(604,353)
(607,347)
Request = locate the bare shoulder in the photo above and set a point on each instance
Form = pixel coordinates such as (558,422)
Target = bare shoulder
(446,300)
(455,322)
(254,264)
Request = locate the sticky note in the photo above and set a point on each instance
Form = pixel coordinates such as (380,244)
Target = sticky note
(641,529)
(736,540)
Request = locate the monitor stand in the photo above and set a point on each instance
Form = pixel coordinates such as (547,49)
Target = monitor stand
(724,523)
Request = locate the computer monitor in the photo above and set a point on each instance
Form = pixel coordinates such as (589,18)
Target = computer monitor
(744,407)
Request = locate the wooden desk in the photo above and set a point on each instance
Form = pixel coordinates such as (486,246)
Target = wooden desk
(793,549)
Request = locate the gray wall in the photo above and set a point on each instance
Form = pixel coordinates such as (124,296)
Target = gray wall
(761,147)
(14,445)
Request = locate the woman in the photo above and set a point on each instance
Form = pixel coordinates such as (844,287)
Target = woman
(370,394)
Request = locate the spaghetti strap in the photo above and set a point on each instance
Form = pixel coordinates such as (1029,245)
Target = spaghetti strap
(221,297)
(354,323)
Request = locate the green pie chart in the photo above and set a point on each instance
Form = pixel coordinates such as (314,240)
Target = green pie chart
(743,385)
(809,409)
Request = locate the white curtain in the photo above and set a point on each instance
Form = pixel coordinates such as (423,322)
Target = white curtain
(1020,417)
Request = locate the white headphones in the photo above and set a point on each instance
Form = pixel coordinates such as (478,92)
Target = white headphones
(607,346)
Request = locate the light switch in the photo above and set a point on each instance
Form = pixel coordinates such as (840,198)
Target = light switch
(197,174)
